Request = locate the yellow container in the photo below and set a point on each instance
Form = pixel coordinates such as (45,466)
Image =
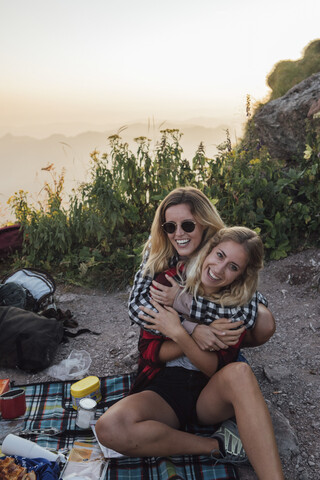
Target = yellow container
(88,387)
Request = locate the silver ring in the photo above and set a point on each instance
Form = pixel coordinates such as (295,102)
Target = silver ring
(211,350)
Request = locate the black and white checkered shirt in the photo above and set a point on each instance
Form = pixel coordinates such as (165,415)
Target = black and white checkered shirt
(140,293)
(202,310)
(205,311)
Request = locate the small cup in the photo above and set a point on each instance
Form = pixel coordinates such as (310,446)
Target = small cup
(13,403)
(86,412)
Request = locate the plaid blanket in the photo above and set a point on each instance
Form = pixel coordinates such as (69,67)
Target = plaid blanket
(50,405)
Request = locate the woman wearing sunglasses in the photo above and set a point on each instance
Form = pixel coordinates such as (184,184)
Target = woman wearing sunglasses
(188,388)
(184,222)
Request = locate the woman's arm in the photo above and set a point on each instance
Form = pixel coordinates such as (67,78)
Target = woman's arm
(167,321)
(169,350)
(219,335)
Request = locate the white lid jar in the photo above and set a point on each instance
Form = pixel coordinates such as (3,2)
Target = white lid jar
(86,412)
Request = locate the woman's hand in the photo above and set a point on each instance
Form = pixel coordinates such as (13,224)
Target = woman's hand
(165,295)
(166,320)
(206,339)
(227,331)
(218,335)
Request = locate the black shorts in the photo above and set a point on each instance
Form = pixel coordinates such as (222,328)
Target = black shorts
(180,388)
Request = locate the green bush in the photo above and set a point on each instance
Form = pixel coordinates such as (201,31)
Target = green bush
(97,239)
(287,73)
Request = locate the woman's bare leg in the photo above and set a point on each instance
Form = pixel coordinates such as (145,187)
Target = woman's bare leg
(143,425)
(234,390)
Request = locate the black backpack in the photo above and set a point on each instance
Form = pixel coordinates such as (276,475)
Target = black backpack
(31,325)
(28,340)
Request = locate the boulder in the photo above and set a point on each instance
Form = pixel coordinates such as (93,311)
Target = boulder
(280,124)
(286,437)
(277,374)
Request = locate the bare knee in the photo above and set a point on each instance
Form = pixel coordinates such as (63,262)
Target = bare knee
(270,327)
(266,324)
(104,426)
(237,377)
(112,429)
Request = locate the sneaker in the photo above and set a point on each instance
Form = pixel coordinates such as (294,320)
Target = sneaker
(228,436)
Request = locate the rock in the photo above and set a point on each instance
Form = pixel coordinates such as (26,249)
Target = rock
(285,435)
(277,374)
(304,476)
(280,124)
(67,297)
(132,335)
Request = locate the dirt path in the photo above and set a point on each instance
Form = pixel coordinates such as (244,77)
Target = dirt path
(287,367)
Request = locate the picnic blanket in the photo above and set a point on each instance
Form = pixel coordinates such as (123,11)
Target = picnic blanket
(50,405)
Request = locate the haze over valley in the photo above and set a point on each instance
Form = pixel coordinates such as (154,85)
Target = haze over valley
(23,157)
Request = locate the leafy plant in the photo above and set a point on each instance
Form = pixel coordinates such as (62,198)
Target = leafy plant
(98,238)
(288,73)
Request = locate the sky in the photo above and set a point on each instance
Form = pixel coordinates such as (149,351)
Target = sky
(96,63)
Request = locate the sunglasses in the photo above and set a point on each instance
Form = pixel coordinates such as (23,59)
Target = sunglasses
(187,226)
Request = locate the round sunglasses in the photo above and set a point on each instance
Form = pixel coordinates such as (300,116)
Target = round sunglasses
(187,226)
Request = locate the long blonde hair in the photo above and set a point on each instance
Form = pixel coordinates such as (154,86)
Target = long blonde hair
(161,249)
(242,289)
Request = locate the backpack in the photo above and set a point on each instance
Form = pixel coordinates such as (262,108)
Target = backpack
(31,325)
(28,340)
(30,289)
(33,289)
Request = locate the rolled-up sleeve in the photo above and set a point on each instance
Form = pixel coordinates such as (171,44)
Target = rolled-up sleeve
(140,295)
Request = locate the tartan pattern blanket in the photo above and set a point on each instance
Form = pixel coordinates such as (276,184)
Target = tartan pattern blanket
(50,405)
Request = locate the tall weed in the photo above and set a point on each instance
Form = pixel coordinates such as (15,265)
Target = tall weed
(98,238)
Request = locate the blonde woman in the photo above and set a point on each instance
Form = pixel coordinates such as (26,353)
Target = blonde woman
(151,422)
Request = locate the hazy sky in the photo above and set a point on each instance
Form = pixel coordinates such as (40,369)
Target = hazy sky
(100,61)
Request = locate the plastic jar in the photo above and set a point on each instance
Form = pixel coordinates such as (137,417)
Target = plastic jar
(88,387)
(86,412)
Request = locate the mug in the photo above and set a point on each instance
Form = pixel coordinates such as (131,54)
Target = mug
(13,403)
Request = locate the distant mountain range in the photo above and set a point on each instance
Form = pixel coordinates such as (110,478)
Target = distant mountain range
(23,157)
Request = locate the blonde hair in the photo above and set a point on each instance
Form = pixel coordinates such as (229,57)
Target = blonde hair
(161,249)
(242,289)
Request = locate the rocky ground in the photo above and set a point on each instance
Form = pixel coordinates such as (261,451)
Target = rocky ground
(287,367)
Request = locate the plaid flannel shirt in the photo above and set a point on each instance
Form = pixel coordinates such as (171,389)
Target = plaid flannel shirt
(202,310)
(205,311)
(140,294)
